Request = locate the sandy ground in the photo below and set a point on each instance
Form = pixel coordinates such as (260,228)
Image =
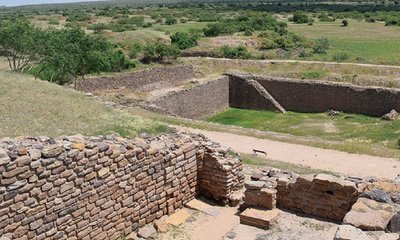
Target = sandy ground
(317,158)
(225,225)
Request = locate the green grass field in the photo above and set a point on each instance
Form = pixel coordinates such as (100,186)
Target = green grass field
(361,41)
(35,107)
(353,129)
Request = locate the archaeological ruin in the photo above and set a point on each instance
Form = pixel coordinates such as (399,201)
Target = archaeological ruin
(104,188)
(77,187)
(246,91)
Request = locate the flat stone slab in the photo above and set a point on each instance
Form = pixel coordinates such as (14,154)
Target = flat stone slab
(178,217)
(348,232)
(258,217)
(369,215)
(203,207)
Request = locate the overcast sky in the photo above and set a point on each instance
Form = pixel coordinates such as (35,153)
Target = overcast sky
(28,2)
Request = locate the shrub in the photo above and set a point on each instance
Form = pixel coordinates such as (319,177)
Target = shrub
(324,17)
(184,40)
(134,50)
(98,27)
(268,44)
(216,29)
(147,25)
(305,53)
(321,45)
(239,52)
(159,52)
(300,17)
(54,22)
(78,17)
(248,32)
(340,57)
(345,23)
(370,20)
(170,21)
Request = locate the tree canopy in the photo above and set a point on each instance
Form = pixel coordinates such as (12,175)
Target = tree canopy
(21,43)
(57,55)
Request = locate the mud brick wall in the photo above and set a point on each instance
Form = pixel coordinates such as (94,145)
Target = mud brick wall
(96,188)
(220,177)
(198,102)
(316,96)
(318,195)
(150,79)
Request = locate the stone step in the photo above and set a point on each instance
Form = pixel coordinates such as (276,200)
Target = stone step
(259,217)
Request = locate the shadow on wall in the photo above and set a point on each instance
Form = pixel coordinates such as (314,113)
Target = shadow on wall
(314,96)
(278,94)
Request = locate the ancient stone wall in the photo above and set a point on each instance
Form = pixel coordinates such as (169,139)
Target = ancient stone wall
(314,96)
(100,188)
(242,94)
(198,102)
(218,180)
(150,79)
(318,195)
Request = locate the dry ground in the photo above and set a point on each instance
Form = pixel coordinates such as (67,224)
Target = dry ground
(224,224)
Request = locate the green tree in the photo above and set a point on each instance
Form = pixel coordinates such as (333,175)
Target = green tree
(70,53)
(160,52)
(300,17)
(21,43)
(184,40)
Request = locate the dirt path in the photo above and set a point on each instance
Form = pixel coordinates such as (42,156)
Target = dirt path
(317,158)
(306,62)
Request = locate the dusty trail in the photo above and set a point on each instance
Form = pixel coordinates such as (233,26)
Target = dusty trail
(317,158)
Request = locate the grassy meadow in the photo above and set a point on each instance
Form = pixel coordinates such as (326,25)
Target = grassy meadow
(354,130)
(360,40)
(35,107)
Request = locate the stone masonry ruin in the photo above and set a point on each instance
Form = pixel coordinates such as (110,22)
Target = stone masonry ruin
(359,204)
(246,91)
(104,188)
(280,95)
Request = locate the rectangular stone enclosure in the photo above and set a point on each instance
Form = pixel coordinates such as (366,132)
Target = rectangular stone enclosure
(278,94)
(104,188)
